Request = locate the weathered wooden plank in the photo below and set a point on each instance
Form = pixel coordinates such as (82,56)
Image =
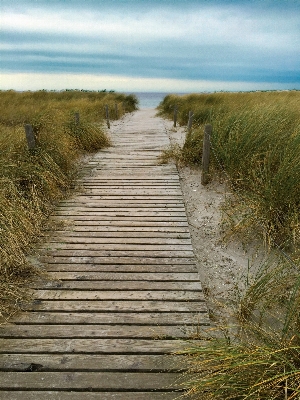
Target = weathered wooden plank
(171,180)
(130,187)
(122,163)
(134,189)
(90,380)
(93,362)
(122,218)
(120,285)
(101,246)
(117,260)
(96,294)
(113,305)
(94,238)
(127,210)
(126,203)
(133,192)
(103,215)
(120,167)
(123,205)
(73,267)
(96,331)
(86,395)
(122,253)
(92,346)
(129,229)
(98,182)
(197,318)
(154,236)
(126,276)
(130,197)
(58,241)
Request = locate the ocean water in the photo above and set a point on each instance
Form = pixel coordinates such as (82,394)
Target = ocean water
(149,99)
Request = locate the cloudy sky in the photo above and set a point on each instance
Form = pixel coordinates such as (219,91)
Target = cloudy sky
(150,45)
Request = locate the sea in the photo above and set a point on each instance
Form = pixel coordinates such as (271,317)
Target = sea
(150,99)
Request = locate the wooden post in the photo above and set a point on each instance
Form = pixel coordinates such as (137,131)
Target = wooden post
(205,155)
(175,115)
(77,118)
(107,116)
(191,115)
(124,107)
(30,137)
(116,111)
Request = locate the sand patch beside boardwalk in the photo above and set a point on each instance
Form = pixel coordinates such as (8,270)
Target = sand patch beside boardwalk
(223,267)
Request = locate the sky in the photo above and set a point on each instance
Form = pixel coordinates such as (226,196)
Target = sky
(150,45)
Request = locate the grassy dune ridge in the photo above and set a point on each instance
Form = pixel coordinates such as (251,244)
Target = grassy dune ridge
(256,148)
(256,141)
(31,182)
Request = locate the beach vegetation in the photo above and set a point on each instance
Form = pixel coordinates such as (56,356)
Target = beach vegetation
(33,181)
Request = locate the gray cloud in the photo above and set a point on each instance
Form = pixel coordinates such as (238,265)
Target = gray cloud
(193,40)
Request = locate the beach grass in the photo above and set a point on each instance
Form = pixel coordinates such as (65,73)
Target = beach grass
(33,181)
(255,145)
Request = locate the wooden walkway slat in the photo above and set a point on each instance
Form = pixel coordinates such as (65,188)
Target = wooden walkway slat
(94,267)
(95,294)
(126,276)
(121,293)
(85,380)
(87,395)
(117,236)
(120,285)
(114,260)
(88,362)
(91,346)
(85,245)
(96,331)
(119,305)
(36,317)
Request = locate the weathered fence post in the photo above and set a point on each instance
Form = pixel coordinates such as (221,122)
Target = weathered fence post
(77,118)
(107,116)
(175,115)
(205,155)
(116,111)
(191,115)
(124,107)
(30,137)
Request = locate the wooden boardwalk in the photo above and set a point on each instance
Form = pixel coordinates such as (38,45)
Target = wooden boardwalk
(125,292)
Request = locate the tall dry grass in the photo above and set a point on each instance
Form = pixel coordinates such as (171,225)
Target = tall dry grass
(256,142)
(256,148)
(258,357)
(31,182)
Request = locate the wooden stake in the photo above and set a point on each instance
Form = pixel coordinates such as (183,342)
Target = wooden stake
(107,116)
(206,154)
(30,137)
(116,111)
(175,115)
(191,115)
(77,118)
